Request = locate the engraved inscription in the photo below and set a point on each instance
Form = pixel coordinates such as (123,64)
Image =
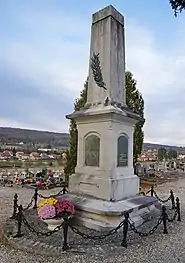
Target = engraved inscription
(92,150)
(122,154)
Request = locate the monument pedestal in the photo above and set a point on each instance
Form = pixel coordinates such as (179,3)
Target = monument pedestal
(104,215)
(105,188)
(105,153)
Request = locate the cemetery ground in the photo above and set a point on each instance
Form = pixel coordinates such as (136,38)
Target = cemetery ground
(159,248)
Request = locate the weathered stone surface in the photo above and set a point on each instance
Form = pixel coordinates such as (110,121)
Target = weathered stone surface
(104,215)
(106,171)
(107,39)
(92,150)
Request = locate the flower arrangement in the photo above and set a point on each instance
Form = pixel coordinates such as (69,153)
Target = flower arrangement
(49,201)
(56,208)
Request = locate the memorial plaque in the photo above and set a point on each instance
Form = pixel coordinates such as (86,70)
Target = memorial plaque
(122,155)
(92,150)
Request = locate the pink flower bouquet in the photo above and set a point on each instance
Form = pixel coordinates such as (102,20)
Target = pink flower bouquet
(47,211)
(65,209)
(56,208)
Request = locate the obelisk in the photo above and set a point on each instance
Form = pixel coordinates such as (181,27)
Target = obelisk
(105,126)
(104,184)
(108,40)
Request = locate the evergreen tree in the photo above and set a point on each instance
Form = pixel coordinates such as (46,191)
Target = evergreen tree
(134,101)
(14,152)
(162,154)
(72,152)
(177,6)
(172,154)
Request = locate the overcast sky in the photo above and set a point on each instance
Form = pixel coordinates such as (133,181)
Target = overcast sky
(44,52)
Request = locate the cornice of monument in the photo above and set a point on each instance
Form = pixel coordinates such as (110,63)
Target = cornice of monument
(99,109)
(107,12)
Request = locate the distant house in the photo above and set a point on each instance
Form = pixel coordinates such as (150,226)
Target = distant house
(54,156)
(25,156)
(44,156)
(19,155)
(150,155)
(7,155)
(2,156)
(34,156)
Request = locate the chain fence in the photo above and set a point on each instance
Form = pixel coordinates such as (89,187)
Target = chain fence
(64,190)
(160,200)
(173,218)
(150,232)
(40,233)
(154,193)
(30,203)
(97,237)
(127,224)
(34,199)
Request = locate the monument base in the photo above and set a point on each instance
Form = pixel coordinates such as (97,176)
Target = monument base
(104,215)
(103,187)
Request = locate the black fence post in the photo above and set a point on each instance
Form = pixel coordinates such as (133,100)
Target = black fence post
(19,220)
(64,190)
(125,230)
(178,209)
(152,190)
(35,198)
(15,205)
(65,232)
(164,218)
(172,199)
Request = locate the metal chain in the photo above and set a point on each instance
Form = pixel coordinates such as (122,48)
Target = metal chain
(97,237)
(142,193)
(30,204)
(39,233)
(133,228)
(174,216)
(160,200)
(148,192)
(50,196)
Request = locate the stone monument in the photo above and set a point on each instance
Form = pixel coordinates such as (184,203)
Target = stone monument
(104,184)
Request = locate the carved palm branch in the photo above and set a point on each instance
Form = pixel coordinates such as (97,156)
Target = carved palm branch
(96,70)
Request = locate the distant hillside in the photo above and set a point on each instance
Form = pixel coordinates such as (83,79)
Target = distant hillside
(148,146)
(53,139)
(33,137)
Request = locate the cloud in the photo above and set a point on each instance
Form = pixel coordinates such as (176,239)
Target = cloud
(159,74)
(41,77)
(43,68)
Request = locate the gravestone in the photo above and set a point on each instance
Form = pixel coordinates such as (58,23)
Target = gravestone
(104,175)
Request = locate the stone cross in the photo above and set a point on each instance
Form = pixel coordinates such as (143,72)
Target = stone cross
(107,57)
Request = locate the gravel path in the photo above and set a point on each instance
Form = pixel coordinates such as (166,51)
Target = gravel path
(157,248)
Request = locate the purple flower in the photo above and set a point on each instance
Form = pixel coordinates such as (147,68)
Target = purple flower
(47,211)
